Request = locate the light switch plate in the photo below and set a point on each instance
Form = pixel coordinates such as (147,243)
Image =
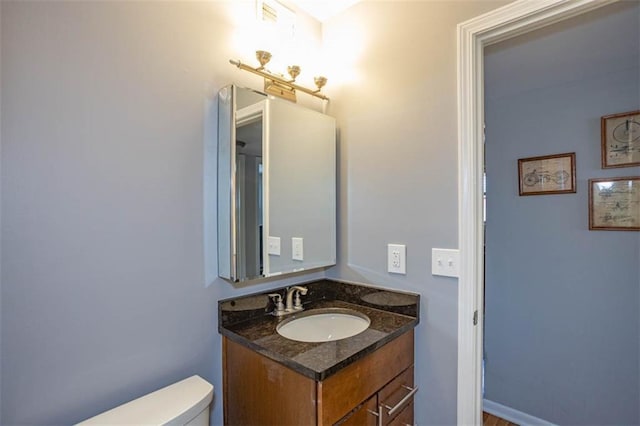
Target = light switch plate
(445,262)
(397,258)
(297,248)
(274,246)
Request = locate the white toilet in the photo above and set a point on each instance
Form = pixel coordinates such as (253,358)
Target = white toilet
(182,403)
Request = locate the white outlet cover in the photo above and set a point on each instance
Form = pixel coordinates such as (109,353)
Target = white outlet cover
(397,258)
(445,262)
(274,246)
(297,248)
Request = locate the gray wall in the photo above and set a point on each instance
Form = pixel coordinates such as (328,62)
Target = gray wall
(394,96)
(107,108)
(562,302)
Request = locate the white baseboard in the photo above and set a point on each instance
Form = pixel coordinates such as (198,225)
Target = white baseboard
(512,415)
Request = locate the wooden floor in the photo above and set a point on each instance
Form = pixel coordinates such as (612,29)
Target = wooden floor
(491,420)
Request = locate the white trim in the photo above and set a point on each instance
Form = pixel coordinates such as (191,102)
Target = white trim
(513,415)
(511,20)
(266,171)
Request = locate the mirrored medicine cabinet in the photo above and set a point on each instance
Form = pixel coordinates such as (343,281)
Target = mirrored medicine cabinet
(276,186)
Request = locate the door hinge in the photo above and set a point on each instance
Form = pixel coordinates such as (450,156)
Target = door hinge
(475,318)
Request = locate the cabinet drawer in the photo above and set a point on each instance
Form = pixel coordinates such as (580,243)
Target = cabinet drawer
(353,385)
(365,415)
(396,396)
(405,418)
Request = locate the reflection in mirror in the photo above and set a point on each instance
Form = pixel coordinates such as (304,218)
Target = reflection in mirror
(249,190)
(276,186)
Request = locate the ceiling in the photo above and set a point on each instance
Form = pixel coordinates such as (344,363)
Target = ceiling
(323,10)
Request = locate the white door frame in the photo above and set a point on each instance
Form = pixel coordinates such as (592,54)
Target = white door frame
(511,20)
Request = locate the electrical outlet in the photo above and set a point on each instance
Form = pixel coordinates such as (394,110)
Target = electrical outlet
(445,262)
(396,258)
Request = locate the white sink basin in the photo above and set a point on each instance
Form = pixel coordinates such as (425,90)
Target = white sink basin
(323,325)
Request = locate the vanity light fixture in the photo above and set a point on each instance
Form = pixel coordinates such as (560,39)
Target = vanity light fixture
(263,57)
(276,84)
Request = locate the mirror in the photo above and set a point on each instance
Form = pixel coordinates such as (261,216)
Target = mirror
(276,186)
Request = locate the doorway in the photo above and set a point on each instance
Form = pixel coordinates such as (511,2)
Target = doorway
(513,19)
(561,320)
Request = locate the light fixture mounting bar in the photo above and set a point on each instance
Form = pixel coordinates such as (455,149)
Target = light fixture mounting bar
(281,81)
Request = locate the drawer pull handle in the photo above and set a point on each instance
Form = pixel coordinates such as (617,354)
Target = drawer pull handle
(378,415)
(403,401)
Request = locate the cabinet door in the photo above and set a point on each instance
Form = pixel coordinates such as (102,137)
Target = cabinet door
(364,415)
(396,397)
(259,391)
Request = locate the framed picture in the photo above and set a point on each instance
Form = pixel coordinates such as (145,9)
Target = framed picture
(550,174)
(614,204)
(620,140)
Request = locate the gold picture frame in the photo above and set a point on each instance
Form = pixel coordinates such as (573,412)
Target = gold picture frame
(548,174)
(620,135)
(614,204)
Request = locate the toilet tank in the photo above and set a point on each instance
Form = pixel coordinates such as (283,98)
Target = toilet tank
(182,403)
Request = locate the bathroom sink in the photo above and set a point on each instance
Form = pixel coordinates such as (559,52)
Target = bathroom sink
(323,325)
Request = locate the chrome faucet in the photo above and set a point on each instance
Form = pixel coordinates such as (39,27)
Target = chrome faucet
(278,305)
(297,304)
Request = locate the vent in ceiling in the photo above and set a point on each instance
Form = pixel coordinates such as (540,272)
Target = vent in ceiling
(274,12)
(269,13)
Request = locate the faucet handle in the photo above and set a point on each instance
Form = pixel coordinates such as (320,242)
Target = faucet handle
(297,301)
(277,298)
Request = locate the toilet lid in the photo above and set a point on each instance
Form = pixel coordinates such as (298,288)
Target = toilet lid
(175,404)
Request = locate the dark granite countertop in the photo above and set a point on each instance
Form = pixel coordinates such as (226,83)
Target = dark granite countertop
(248,321)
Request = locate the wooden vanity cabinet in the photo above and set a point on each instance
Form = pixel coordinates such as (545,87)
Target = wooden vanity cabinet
(258,390)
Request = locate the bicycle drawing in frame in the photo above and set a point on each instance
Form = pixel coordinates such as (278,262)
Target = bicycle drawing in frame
(548,174)
(620,140)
